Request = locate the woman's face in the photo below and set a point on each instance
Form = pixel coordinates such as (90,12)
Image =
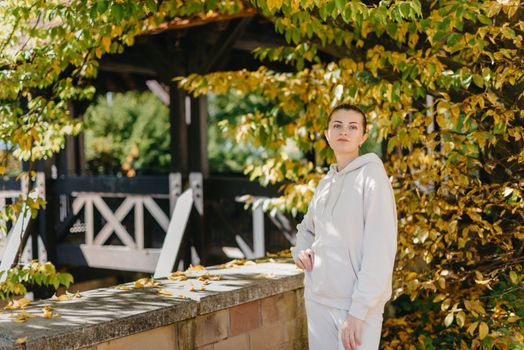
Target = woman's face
(345,132)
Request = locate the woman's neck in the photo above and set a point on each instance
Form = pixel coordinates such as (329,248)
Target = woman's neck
(344,159)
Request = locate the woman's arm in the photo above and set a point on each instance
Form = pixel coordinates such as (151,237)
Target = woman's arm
(302,254)
(379,243)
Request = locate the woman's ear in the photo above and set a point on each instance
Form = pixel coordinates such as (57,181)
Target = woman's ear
(364,138)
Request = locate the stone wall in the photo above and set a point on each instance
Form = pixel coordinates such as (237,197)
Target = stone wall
(251,307)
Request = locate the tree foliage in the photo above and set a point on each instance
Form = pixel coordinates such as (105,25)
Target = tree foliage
(441,81)
(127,134)
(35,273)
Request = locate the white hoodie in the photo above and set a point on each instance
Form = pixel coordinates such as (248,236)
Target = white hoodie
(351,226)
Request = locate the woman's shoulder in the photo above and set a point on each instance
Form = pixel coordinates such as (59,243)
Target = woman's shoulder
(375,169)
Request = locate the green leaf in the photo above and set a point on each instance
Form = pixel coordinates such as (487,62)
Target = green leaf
(101,6)
(454,38)
(477,79)
(340,4)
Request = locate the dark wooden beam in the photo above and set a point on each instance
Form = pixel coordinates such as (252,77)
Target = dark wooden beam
(180,23)
(220,51)
(116,67)
(178,130)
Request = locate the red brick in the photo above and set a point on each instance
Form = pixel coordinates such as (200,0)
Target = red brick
(157,338)
(244,317)
(279,307)
(297,332)
(240,342)
(186,334)
(206,347)
(301,307)
(212,327)
(269,336)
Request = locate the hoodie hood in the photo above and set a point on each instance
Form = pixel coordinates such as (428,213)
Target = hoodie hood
(334,175)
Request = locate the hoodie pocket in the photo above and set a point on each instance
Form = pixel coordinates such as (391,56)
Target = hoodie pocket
(333,274)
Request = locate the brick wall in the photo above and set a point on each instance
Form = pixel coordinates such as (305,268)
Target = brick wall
(253,306)
(276,322)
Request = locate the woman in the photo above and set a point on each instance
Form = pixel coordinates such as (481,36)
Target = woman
(346,242)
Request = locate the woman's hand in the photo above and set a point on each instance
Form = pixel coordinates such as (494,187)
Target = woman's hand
(351,332)
(305,261)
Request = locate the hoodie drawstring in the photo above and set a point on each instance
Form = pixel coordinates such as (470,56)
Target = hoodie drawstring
(329,194)
(334,173)
(330,189)
(338,194)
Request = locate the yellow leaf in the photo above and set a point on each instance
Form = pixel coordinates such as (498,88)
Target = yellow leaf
(22,316)
(472,327)
(514,277)
(106,43)
(512,318)
(177,276)
(48,311)
(165,292)
(17,304)
(445,304)
(21,340)
(195,268)
(461,318)
(483,330)
(449,319)
(208,277)
(2,170)
(439,298)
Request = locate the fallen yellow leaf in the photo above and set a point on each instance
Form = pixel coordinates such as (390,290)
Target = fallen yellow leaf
(177,276)
(195,268)
(17,304)
(63,297)
(208,277)
(165,292)
(48,311)
(122,287)
(21,317)
(21,340)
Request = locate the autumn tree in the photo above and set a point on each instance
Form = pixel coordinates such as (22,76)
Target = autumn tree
(442,85)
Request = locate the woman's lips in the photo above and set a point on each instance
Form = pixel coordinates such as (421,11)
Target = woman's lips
(343,140)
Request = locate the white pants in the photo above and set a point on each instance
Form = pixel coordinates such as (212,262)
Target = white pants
(324,325)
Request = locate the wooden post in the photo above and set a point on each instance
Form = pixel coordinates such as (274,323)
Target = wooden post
(197,137)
